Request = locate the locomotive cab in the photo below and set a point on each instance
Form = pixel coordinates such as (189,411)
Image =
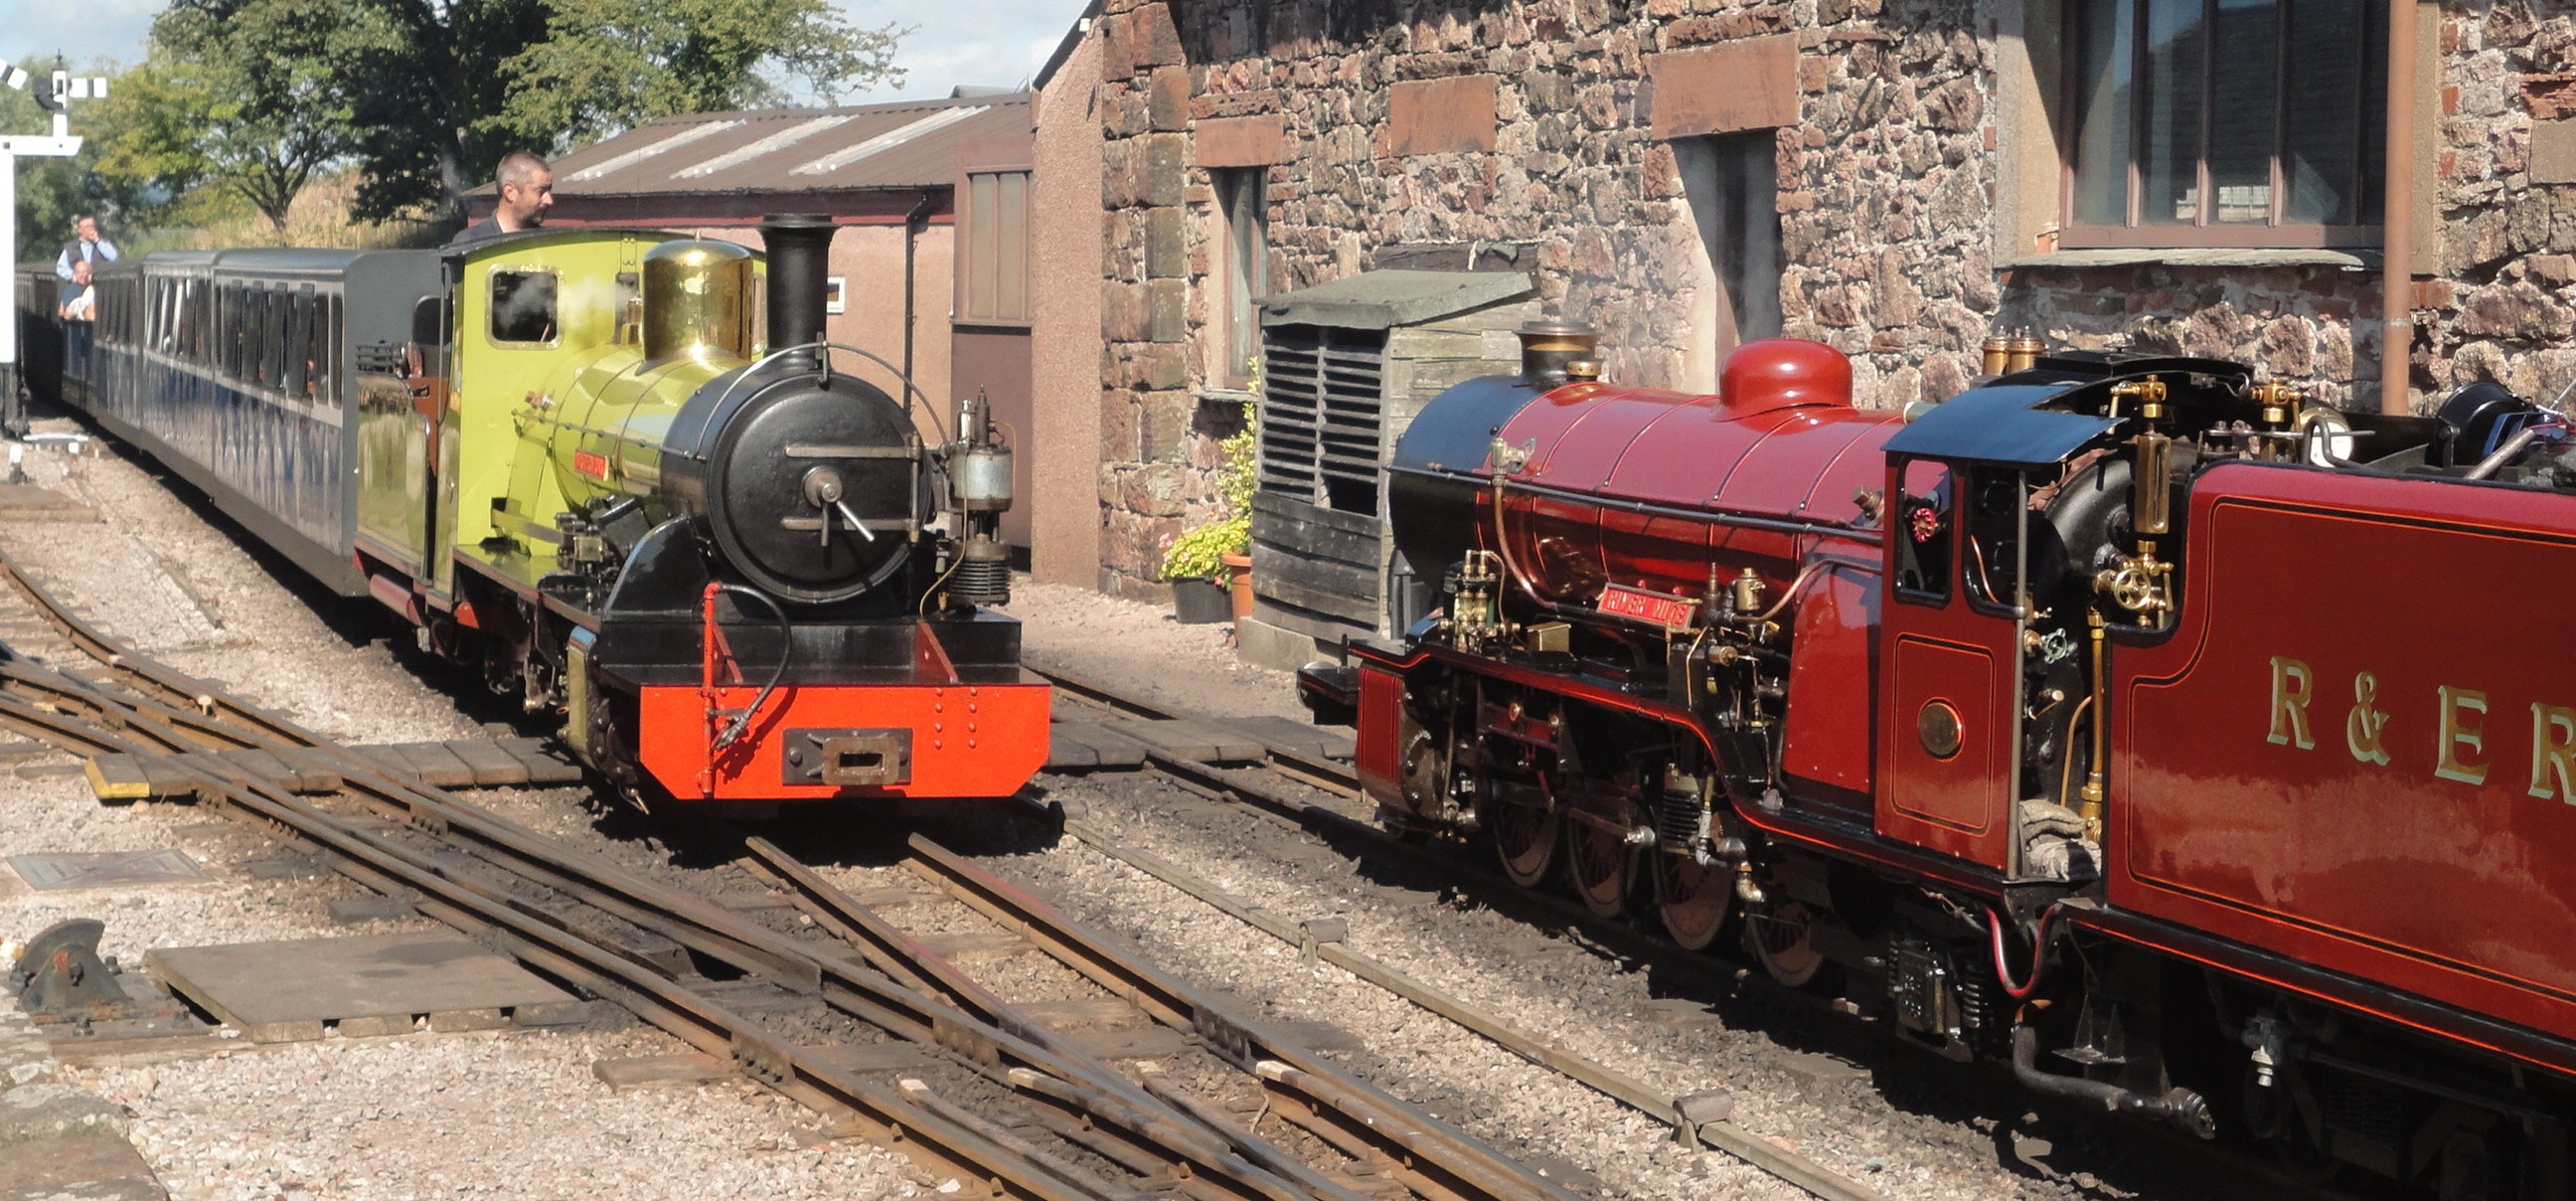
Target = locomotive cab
(1982,631)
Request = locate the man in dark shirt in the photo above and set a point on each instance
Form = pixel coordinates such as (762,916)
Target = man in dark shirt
(527,188)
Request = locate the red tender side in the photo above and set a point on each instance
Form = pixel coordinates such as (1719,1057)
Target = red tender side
(2390,800)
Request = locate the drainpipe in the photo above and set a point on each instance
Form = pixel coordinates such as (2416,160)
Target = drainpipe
(911,243)
(2397,202)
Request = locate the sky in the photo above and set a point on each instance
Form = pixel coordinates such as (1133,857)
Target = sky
(999,43)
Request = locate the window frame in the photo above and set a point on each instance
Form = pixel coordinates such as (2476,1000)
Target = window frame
(492,308)
(2204,231)
(995,287)
(1243,248)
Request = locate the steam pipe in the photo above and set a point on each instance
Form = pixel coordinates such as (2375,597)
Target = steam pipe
(2181,1107)
(2397,202)
(911,244)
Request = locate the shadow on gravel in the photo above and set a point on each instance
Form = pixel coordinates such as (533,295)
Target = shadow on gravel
(2062,1149)
(850,833)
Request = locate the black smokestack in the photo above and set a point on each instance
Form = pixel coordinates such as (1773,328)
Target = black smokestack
(800,269)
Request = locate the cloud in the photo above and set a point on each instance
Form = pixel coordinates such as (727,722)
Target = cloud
(86,32)
(994,43)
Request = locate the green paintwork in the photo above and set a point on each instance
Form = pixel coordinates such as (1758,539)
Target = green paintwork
(523,411)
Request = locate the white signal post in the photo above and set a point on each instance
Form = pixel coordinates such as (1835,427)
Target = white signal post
(56,95)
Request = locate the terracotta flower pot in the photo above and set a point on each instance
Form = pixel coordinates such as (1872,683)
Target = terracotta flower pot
(1238,581)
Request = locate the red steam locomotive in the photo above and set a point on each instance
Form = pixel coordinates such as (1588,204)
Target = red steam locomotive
(2098,719)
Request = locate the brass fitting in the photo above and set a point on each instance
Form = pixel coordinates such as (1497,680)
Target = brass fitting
(1748,593)
(2279,401)
(1991,354)
(2139,583)
(2022,351)
(2149,393)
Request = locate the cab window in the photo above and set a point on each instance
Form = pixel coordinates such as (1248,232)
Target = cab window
(1925,529)
(523,307)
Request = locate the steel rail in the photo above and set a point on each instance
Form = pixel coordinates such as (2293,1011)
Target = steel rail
(1439,1159)
(882,943)
(547,942)
(603,972)
(158,676)
(695,923)
(1241,787)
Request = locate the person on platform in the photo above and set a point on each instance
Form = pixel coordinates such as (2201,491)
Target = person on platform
(527,187)
(80,300)
(87,247)
(78,310)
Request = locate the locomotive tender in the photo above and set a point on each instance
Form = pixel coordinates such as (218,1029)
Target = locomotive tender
(2036,723)
(582,461)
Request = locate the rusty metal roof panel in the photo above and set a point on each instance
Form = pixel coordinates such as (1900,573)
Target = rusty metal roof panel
(908,144)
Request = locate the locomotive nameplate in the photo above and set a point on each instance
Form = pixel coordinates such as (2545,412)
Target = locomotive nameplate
(1671,612)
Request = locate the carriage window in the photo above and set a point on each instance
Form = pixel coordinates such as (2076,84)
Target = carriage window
(330,354)
(234,334)
(523,306)
(298,376)
(1925,521)
(272,337)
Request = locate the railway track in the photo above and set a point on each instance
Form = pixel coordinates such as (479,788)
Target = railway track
(1697,1120)
(1294,789)
(985,1095)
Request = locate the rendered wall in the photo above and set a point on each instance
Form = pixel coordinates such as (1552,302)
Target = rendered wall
(1064,280)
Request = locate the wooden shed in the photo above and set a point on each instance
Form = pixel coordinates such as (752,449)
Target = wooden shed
(1345,366)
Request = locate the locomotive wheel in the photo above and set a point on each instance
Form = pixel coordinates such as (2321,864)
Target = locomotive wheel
(1597,858)
(1525,838)
(1782,936)
(1692,899)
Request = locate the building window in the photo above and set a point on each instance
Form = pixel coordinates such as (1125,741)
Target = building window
(997,246)
(1242,208)
(2225,122)
(1732,185)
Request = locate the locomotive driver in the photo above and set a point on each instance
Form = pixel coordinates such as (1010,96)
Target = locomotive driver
(527,187)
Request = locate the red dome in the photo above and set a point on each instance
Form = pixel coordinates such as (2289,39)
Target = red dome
(1779,373)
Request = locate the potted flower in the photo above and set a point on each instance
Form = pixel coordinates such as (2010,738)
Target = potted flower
(1217,553)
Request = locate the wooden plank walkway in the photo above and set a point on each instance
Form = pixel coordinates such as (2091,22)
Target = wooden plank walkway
(462,763)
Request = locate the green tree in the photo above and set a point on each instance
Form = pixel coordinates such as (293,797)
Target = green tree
(253,101)
(607,64)
(458,83)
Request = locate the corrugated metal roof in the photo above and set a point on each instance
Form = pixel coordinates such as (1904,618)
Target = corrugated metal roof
(908,144)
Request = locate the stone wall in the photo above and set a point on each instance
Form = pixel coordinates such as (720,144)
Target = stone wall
(1889,176)
(1385,143)
(2502,303)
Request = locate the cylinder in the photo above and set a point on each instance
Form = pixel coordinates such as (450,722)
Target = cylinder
(1549,347)
(2022,351)
(696,301)
(980,478)
(1991,354)
(800,271)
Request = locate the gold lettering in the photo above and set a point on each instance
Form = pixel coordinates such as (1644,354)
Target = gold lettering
(2457,734)
(2553,752)
(2364,725)
(2292,686)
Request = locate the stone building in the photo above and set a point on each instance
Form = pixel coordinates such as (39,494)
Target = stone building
(1897,178)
